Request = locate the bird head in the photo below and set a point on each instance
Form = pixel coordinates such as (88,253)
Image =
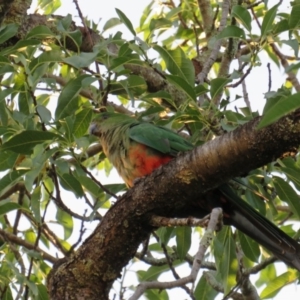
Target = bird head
(108,121)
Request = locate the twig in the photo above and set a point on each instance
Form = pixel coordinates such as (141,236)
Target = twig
(214,53)
(158,221)
(85,93)
(58,201)
(98,182)
(261,266)
(270,77)
(291,76)
(81,233)
(204,244)
(216,285)
(14,239)
(170,264)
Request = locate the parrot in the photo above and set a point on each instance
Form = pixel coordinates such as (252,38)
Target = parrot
(136,148)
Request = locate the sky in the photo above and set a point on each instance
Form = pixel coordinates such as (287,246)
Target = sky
(257,82)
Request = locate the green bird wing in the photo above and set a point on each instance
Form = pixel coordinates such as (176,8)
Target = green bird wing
(159,138)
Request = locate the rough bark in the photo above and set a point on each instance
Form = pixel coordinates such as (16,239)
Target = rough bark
(90,272)
(168,191)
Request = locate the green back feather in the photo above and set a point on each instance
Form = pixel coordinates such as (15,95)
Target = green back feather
(159,138)
(152,136)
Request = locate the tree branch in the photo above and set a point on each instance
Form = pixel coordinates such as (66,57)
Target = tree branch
(14,239)
(204,244)
(184,180)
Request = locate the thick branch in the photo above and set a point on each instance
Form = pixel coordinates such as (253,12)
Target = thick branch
(168,191)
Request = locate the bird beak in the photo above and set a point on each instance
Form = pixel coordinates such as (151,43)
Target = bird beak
(94,129)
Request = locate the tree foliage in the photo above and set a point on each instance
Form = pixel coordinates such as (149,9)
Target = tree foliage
(184,67)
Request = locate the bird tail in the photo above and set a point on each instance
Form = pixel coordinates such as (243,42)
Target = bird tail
(245,218)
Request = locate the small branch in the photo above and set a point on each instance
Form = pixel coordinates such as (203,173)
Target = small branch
(248,290)
(15,188)
(205,242)
(58,200)
(244,87)
(87,94)
(261,266)
(284,208)
(172,269)
(98,182)
(270,77)
(207,16)
(81,233)
(158,221)
(14,239)
(216,285)
(291,76)
(214,53)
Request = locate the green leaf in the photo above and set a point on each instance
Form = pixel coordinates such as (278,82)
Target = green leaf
(160,94)
(160,23)
(204,290)
(45,57)
(91,186)
(49,6)
(117,63)
(165,233)
(44,113)
(35,203)
(66,221)
(8,32)
(40,31)
(183,85)
(266,274)
(67,100)
(9,179)
(25,100)
(25,141)
(135,83)
(274,286)
(294,20)
(243,15)
(82,122)
(268,20)
(293,175)
(217,85)
(287,194)
(154,272)
(183,240)
(63,24)
(81,60)
(231,31)
(112,22)
(226,261)
(70,183)
(4,115)
(42,292)
(200,89)
(280,109)
(7,294)
(177,63)
(152,294)
(126,21)
(7,160)
(281,26)
(7,207)
(249,247)
(293,44)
